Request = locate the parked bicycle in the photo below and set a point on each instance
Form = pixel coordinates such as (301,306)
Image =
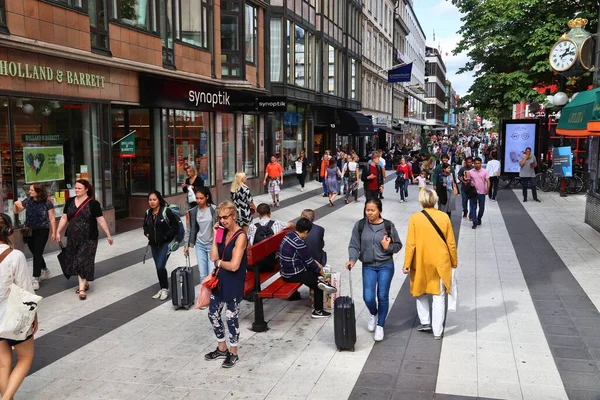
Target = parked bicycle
(509,182)
(547,182)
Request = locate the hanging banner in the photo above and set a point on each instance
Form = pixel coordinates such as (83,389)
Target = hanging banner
(562,162)
(44,164)
(400,74)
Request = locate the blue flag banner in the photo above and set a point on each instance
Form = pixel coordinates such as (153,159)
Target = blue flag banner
(400,74)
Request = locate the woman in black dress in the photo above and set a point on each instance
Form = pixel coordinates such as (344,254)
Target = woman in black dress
(193,182)
(228,252)
(81,216)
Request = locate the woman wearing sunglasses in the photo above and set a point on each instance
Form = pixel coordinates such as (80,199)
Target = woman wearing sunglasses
(228,252)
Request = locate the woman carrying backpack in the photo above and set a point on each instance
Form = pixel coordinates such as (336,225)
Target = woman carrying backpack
(160,227)
(374,242)
(199,233)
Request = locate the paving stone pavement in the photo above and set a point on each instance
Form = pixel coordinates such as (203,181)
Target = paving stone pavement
(526,328)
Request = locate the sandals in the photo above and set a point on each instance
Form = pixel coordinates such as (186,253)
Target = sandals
(82,295)
(87,287)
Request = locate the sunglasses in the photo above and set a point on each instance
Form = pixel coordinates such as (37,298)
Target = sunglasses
(224,216)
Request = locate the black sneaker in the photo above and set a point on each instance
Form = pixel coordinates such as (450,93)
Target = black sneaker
(524,200)
(474,226)
(215,355)
(320,314)
(424,328)
(326,287)
(230,360)
(537,200)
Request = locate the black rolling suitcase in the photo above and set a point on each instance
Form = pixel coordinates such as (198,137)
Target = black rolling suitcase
(183,293)
(344,321)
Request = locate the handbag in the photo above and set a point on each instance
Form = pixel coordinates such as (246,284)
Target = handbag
(26,231)
(191,196)
(203,299)
(62,260)
(18,312)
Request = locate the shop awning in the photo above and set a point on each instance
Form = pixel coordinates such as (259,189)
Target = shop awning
(577,117)
(390,130)
(354,124)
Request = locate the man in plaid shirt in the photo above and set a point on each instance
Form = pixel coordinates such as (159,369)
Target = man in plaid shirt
(297,265)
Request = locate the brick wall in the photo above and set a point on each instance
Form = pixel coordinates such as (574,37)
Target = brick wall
(192,60)
(134,45)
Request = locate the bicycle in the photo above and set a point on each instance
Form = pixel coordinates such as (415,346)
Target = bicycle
(507,182)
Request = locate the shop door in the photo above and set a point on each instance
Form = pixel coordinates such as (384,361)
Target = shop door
(121,165)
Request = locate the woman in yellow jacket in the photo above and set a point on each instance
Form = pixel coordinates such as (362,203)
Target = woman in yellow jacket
(430,258)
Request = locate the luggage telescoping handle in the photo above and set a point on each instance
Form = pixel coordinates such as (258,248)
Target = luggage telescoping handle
(187,260)
(350,279)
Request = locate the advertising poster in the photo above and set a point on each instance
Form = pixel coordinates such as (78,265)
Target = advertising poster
(517,137)
(562,162)
(44,164)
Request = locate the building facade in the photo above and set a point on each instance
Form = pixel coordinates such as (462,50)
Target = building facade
(127,95)
(378,31)
(435,73)
(315,66)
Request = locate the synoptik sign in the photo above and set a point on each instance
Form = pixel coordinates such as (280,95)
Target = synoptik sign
(220,98)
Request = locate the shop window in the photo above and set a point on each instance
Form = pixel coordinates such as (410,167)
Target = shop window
(6,185)
(97,10)
(231,59)
(139,124)
(195,25)
(140,14)
(276,50)
(251,33)
(299,63)
(166,31)
(228,151)
(288,135)
(54,143)
(249,145)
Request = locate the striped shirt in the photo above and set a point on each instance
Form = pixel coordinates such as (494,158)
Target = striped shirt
(294,256)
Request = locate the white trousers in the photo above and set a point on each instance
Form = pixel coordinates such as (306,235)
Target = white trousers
(438,310)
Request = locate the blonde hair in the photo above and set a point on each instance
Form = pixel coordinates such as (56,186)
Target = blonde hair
(237,182)
(229,206)
(428,198)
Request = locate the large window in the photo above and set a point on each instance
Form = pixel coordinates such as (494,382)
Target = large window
(251,33)
(71,3)
(228,151)
(276,50)
(196,18)
(141,14)
(231,65)
(299,62)
(166,31)
(331,69)
(97,10)
(288,51)
(249,145)
(288,130)
(2,15)
(353,79)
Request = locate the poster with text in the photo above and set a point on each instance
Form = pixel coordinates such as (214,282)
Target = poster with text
(562,161)
(44,164)
(517,138)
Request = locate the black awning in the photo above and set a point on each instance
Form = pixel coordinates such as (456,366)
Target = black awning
(354,124)
(390,130)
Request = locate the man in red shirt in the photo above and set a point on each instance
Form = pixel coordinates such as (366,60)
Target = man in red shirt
(274,175)
(372,177)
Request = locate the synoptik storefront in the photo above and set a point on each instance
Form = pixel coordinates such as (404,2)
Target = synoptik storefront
(217,130)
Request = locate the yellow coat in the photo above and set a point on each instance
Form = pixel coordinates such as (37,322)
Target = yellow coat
(426,254)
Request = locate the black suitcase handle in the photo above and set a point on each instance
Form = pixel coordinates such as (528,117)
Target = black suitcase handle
(350,279)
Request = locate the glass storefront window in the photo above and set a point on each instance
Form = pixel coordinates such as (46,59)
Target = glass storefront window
(288,134)
(139,124)
(228,146)
(249,145)
(6,181)
(55,142)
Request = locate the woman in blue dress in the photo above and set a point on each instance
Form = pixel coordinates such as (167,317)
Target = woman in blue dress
(331,178)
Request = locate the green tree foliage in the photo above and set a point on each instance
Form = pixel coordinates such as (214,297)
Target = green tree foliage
(508,42)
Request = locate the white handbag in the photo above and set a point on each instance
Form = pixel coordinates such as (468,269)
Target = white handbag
(17,313)
(453,295)
(191,196)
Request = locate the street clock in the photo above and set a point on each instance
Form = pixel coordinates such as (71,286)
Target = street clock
(574,51)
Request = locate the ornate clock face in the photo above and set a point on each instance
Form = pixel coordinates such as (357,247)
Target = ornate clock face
(563,55)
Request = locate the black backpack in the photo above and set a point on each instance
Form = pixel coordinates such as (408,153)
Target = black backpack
(262,233)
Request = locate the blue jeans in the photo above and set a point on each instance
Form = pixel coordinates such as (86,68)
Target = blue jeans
(324,183)
(160,256)
(205,265)
(404,190)
(475,201)
(465,202)
(377,280)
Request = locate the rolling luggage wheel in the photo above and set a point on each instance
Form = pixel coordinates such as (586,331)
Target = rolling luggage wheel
(352,350)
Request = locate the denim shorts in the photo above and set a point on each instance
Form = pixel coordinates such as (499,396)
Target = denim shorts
(13,343)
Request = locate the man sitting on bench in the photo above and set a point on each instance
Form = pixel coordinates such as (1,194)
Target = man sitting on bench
(264,220)
(297,265)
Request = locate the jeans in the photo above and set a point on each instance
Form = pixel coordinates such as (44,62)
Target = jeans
(160,256)
(205,265)
(493,187)
(324,183)
(465,202)
(352,189)
(529,182)
(438,309)
(377,279)
(37,243)
(215,308)
(404,190)
(310,279)
(475,201)
(371,194)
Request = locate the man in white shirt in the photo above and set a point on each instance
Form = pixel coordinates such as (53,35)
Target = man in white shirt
(493,169)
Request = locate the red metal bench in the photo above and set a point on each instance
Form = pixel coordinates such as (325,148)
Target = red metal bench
(279,289)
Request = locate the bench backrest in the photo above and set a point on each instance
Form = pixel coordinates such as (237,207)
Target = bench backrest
(262,250)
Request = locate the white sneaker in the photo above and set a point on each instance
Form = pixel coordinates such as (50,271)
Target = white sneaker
(302,189)
(35,284)
(46,274)
(157,295)
(378,337)
(372,323)
(164,293)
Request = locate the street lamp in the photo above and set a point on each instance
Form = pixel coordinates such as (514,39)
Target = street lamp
(559,100)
